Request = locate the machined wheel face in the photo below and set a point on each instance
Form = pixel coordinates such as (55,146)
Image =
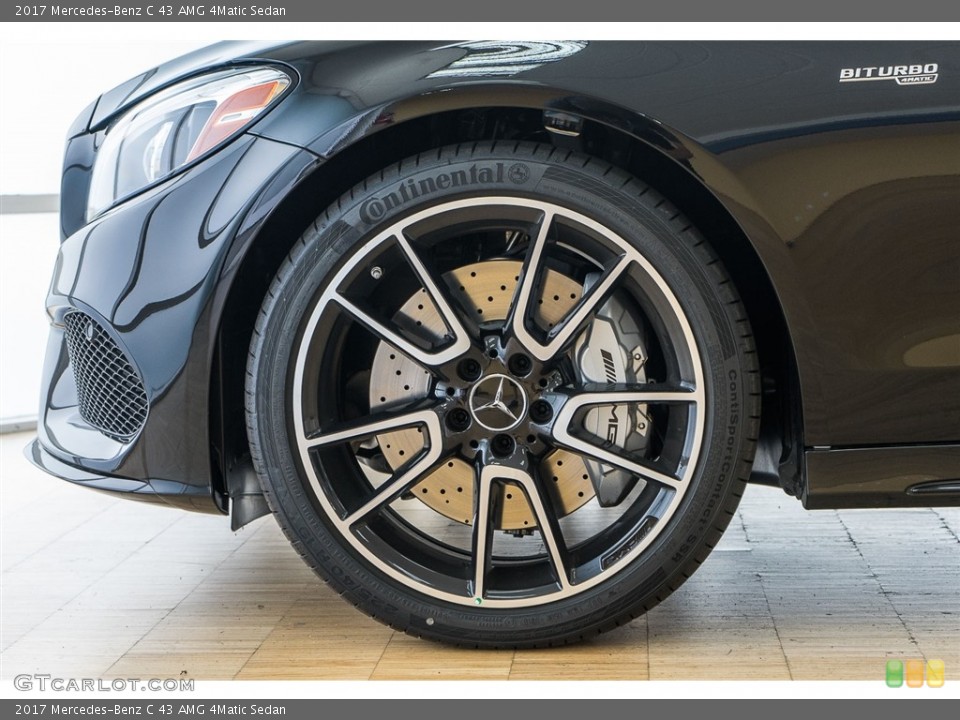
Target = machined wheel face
(502,396)
(518,403)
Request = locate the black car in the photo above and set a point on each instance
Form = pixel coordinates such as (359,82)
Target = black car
(500,331)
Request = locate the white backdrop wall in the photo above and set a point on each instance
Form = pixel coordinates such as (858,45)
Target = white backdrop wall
(44,85)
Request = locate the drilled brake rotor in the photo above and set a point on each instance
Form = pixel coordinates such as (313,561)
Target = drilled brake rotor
(487,289)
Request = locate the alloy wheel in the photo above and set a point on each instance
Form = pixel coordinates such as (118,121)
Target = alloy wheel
(498,402)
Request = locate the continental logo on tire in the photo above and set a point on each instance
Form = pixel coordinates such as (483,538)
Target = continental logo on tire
(376,208)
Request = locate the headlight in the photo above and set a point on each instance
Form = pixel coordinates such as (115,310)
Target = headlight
(176,126)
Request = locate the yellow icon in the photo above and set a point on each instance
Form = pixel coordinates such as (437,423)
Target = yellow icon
(914,673)
(935,672)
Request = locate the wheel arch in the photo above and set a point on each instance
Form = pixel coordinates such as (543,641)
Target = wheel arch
(632,141)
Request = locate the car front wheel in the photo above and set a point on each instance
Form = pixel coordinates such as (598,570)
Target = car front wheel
(502,395)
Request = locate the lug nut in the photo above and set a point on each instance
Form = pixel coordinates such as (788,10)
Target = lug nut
(458,420)
(541,412)
(469,369)
(519,364)
(502,445)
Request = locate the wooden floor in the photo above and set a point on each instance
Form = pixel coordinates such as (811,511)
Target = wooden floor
(93,586)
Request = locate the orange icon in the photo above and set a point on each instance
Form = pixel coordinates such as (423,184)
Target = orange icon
(914,673)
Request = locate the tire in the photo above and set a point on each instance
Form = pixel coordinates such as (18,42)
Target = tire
(502,395)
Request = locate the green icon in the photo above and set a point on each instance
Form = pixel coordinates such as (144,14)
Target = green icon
(894,673)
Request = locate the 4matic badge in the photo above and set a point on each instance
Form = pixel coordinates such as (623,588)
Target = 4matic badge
(902,74)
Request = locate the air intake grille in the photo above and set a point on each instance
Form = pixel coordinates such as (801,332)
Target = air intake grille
(111,394)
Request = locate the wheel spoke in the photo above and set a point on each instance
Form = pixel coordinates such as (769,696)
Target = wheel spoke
(546,520)
(630,465)
(523,301)
(482,541)
(568,330)
(425,357)
(375,424)
(437,292)
(395,486)
(549,530)
(378,423)
(619,393)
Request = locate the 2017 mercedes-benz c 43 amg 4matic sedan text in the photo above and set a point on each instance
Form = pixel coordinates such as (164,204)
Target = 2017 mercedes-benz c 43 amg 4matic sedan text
(499,332)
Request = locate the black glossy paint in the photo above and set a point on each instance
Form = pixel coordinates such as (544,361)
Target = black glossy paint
(848,194)
(877,477)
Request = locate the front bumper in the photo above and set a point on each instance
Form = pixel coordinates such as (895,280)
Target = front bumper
(153,275)
(164,492)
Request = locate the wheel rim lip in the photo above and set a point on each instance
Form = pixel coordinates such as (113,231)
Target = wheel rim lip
(694,440)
